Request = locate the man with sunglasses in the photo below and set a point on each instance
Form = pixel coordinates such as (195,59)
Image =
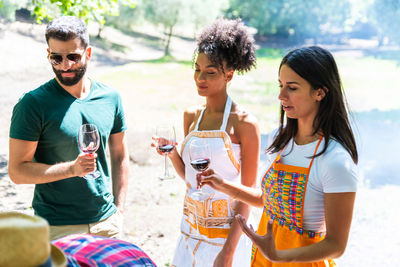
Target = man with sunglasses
(43,141)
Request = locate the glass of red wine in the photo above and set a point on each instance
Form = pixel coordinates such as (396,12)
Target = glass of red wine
(200,157)
(166,143)
(89,142)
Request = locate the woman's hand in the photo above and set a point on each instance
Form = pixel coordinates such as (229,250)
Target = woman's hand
(223,259)
(265,243)
(211,178)
(160,140)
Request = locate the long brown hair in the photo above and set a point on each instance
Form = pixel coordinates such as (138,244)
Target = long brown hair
(318,67)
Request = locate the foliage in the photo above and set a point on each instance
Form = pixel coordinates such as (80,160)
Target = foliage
(296,19)
(166,13)
(88,10)
(385,16)
(201,13)
(172,13)
(8,8)
(272,53)
(128,17)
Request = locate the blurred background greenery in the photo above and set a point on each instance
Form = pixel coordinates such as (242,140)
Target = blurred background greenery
(278,23)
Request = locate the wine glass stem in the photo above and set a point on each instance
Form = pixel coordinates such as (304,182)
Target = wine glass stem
(197,219)
(199,188)
(166,173)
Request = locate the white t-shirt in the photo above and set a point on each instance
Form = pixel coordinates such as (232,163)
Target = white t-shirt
(332,172)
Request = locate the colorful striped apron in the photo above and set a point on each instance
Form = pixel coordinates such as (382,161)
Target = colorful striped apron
(284,188)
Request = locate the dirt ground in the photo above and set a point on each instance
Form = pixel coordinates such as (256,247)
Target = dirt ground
(154,207)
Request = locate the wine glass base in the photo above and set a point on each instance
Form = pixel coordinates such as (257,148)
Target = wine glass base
(200,195)
(92,175)
(166,177)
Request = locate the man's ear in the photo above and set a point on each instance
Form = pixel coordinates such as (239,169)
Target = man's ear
(88,52)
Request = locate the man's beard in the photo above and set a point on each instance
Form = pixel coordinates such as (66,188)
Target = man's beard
(70,81)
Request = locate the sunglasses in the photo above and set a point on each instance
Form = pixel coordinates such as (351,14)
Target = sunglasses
(56,59)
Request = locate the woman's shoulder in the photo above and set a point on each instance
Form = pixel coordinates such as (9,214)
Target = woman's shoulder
(193,110)
(242,117)
(335,148)
(246,125)
(336,156)
(189,116)
(336,169)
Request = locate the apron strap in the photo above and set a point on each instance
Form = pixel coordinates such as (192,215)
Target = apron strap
(315,152)
(227,111)
(199,119)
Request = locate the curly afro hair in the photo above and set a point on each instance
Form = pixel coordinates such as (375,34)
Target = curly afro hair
(228,41)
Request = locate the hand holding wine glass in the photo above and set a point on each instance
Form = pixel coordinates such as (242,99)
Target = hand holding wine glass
(212,179)
(89,142)
(166,141)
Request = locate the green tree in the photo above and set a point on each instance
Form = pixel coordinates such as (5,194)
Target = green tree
(8,8)
(128,17)
(166,13)
(204,12)
(295,19)
(88,10)
(385,14)
(171,13)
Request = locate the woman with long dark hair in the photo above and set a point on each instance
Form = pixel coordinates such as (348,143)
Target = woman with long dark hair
(308,192)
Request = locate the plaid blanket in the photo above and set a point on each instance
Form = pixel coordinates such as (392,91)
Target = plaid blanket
(88,250)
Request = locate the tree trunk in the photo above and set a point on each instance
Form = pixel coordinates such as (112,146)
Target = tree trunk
(101,27)
(166,52)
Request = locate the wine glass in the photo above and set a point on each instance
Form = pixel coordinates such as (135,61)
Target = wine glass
(89,142)
(200,157)
(166,143)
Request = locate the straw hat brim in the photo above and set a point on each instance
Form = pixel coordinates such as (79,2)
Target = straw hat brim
(58,257)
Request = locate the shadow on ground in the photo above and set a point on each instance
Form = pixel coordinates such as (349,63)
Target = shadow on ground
(3,166)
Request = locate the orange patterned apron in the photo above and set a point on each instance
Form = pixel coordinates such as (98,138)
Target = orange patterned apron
(284,188)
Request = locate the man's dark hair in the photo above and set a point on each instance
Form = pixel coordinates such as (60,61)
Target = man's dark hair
(67,28)
(228,41)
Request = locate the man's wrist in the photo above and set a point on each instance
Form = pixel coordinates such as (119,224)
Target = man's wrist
(71,169)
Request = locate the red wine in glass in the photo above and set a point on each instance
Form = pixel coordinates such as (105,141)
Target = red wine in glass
(200,157)
(166,143)
(166,148)
(88,150)
(200,164)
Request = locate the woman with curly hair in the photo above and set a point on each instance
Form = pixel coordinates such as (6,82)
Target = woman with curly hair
(209,234)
